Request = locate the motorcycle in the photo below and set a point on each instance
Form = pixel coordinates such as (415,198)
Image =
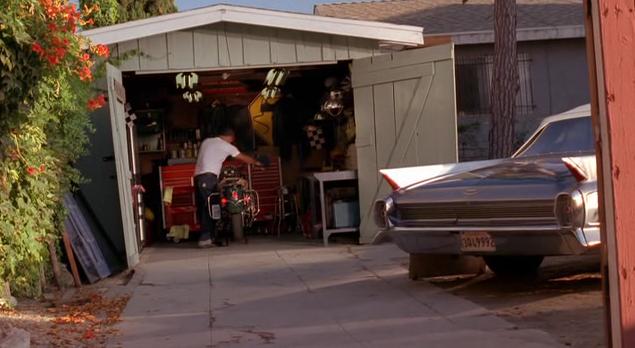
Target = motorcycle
(234,207)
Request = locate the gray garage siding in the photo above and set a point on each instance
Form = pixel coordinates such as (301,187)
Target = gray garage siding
(238,45)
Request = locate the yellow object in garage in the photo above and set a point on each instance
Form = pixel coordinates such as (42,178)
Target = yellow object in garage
(148,214)
(262,121)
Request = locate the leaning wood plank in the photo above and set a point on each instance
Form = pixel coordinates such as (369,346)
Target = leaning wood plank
(55,264)
(71,259)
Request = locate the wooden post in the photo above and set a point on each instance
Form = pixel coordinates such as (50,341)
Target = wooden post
(612,65)
(71,259)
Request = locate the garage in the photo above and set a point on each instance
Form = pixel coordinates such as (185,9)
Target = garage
(327,101)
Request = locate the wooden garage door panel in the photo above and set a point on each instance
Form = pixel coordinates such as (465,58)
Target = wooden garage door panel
(124,176)
(393,75)
(406,137)
(365,130)
(392,144)
(429,129)
(403,97)
(383,99)
(405,115)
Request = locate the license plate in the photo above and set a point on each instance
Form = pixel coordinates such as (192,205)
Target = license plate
(477,241)
(215,211)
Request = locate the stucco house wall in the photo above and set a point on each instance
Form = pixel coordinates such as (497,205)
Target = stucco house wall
(558,80)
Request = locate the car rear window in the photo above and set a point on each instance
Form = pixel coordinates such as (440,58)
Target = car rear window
(565,136)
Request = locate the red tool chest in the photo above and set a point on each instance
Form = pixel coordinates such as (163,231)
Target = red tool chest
(267,184)
(182,210)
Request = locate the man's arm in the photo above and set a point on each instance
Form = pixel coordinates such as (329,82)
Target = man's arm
(248,159)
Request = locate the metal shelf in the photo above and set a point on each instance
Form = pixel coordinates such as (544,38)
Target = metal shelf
(344,175)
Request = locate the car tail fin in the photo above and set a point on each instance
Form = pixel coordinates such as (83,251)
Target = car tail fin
(401,177)
(393,184)
(576,170)
(404,177)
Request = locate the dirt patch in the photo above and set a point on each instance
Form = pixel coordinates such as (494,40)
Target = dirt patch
(85,319)
(565,299)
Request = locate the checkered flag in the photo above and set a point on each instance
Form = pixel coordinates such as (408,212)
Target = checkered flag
(316,138)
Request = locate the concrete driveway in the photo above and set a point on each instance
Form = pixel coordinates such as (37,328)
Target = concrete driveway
(281,294)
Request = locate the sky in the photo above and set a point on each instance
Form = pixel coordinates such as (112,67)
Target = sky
(287,5)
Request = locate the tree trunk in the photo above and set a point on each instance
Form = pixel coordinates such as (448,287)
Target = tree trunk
(504,80)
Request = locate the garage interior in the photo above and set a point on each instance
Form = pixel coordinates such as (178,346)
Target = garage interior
(307,127)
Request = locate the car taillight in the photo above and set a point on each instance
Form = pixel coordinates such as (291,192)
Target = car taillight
(380,214)
(569,210)
(382,210)
(563,210)
(592,204)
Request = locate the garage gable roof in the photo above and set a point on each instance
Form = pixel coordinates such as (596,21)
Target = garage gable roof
(383,32)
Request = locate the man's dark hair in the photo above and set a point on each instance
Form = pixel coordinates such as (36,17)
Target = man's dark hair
(227,131)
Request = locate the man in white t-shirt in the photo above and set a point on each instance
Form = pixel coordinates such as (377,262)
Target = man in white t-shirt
(211,156)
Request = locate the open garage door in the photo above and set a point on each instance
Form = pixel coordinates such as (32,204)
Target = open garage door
(405,114)
(121,146)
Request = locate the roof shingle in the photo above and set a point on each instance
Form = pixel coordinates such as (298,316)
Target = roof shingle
(451,16)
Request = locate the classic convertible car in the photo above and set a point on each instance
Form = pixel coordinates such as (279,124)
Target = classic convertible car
(542,201)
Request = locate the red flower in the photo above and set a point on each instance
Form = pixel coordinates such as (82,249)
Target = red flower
(42,168)
(53,59)
(72,16)
(31,170)
(85,74)
(51,7)
(101,50)
(86,22)
(37,48)
(72,24)
(84,57)
(60,52)
(52,27)
(97,102)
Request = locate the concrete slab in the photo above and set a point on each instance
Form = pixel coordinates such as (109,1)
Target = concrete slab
(166,330)
(298,295)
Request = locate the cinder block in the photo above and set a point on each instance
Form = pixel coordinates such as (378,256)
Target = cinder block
(425,266)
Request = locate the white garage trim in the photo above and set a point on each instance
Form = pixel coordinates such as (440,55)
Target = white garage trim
(383,32)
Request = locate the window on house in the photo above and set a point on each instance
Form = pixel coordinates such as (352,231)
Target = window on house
(473,79)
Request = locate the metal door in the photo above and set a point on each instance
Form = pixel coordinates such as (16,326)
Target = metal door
(116,102)
(405,115)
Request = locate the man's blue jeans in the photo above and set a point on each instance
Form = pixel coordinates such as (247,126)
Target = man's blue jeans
(206,184)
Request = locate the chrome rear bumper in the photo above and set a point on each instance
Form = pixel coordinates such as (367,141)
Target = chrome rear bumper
(539,240)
